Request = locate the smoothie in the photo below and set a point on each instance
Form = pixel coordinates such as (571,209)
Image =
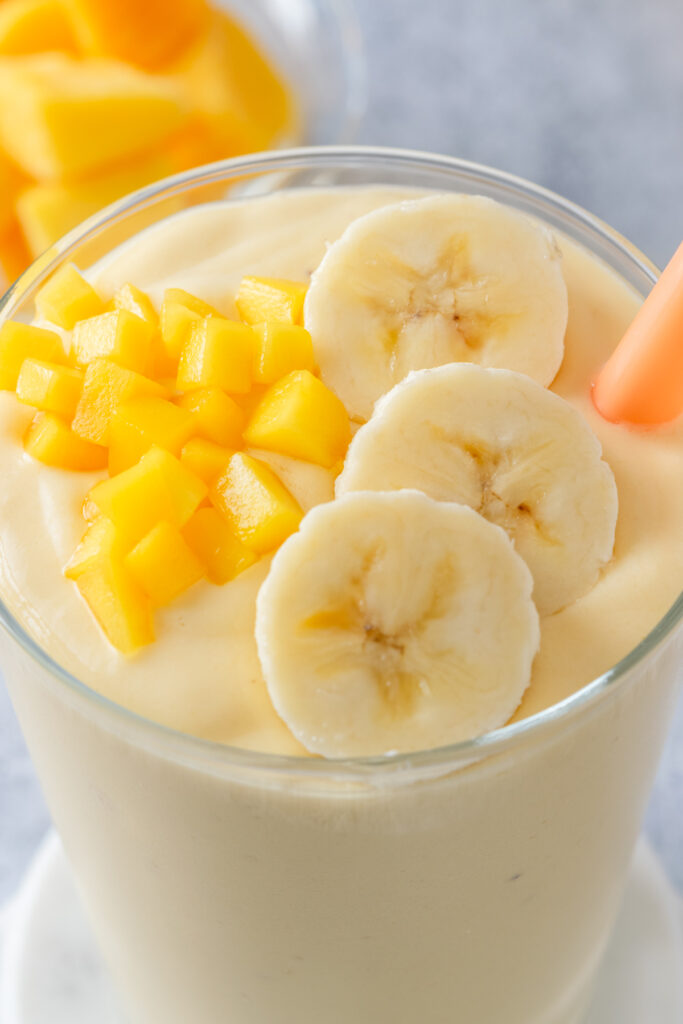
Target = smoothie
(305,892)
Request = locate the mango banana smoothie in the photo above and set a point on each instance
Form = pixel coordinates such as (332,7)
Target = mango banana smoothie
(317,475)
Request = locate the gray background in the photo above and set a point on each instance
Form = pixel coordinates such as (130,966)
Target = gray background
(582,96)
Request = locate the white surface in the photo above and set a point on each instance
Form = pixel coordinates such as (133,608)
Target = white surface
(50,972)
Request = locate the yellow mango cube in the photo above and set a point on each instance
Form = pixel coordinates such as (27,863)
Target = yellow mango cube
(255,503)
(139,424)
(121,336)
(50,387)
(177,321)
(34,26)
(216,546)
(163,564)
(217,417)
(205,459)
(147,34)
(19,342)
(105,386)
(157,489)
(275,299)
(118,603)
(49,209)
(218,354)
(67,298)
(299,416)
(66,118)
(190,301)
(136,301)
(51,441)
(281,348)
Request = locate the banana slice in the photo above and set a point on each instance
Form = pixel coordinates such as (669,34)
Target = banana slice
(520,455)
(391,622)
(448,278)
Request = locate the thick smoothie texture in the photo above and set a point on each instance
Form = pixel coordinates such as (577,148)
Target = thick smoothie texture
(223,886)
(202,676)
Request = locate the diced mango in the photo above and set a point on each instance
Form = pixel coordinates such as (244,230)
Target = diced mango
(14,254)
(301,417)
(222,120)
(135,301)
(157,489)
(216,546)
(105,386)
(50,387)
(34,26)
(19,342)
(118,603)
(262,299)
(219,354)
(66,118)
(121,336)
(281,348)
(147,33)
(217,417)
(255,503)
(205,459)
(177,321)
(51,441)
(67,298)
(197,305)
(47,210)
(163,564)
(139,424)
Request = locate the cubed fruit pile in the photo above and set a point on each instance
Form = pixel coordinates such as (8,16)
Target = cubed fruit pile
(100,97)
(167,401)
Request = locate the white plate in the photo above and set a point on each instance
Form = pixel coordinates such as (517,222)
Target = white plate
(50,971)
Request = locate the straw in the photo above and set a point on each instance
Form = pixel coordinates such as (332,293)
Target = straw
(642,382)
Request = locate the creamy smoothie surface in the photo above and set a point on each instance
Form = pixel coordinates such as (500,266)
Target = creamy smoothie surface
(203,673)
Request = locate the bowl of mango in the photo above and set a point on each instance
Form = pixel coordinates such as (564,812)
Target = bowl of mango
(101,97)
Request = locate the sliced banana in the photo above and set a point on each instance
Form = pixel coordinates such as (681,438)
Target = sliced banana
(447,278)
(391,622)
(520,455)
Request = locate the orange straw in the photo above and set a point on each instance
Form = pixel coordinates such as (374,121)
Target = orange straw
(642,382)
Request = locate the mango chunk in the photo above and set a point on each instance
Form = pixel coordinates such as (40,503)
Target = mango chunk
(50,387)
(105,386)
(135,301)
(148,34)
(157,489)
(219,354)
(216,546)
(139,424)
(119,604)
(34,26)
(51,441)
(66,118)
(19,342)
(163,564)
(177,321)
(121,336)
(301,417)
(262,299)
(217,417)
(255,504)
(67,298)
(281,348)
(205,459)
(14,254)
(197,305)
(49,209)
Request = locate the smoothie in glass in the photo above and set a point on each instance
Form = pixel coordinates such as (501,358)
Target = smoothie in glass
(264,883)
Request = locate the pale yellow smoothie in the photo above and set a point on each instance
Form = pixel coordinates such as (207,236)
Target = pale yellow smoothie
(202,676)
(477,886)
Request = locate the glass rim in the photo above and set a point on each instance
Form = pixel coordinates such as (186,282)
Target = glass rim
(196,750)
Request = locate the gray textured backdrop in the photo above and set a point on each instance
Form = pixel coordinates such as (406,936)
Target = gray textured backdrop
(582,96)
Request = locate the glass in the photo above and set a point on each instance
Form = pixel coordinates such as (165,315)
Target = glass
(479,880)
